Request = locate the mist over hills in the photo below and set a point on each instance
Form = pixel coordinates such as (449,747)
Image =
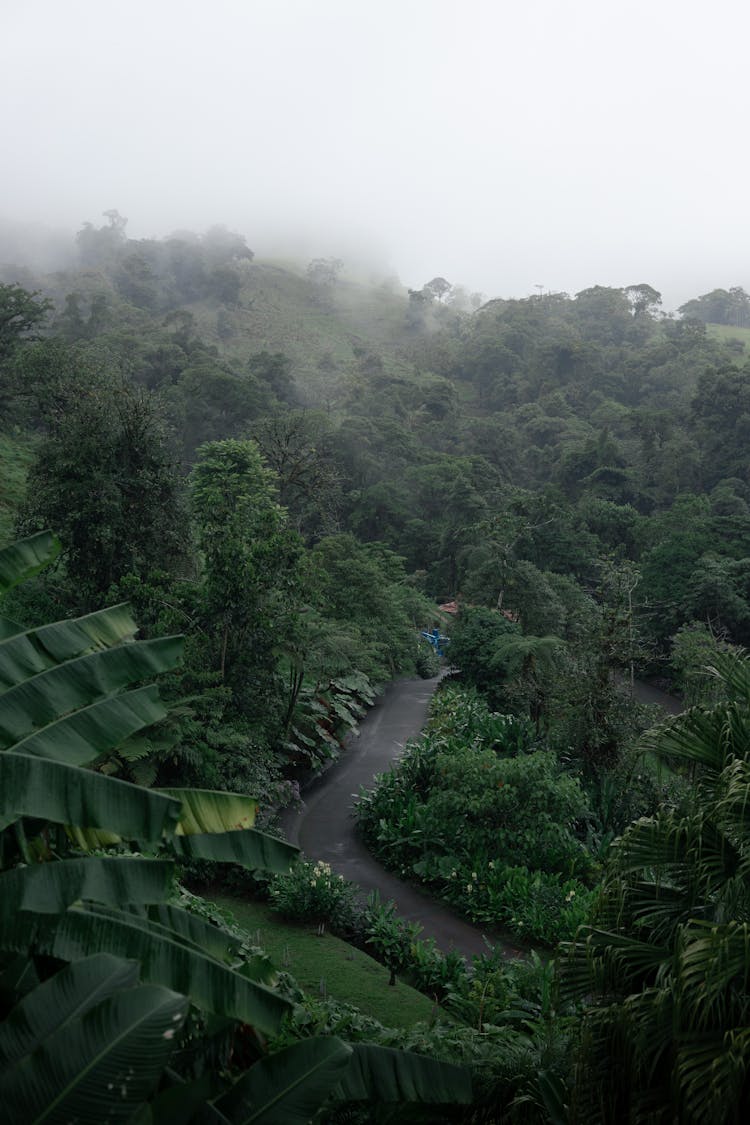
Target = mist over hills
(295,465)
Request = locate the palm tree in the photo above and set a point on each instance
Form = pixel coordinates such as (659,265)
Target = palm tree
(665,1035)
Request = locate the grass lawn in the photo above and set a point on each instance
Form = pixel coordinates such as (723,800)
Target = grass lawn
(349,974)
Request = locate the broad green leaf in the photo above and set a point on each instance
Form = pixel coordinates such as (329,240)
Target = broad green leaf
(211,939)
(24,559)
(554,1094)
(50,695)
(211,810)
(9,628)
(92,839)
(166,960)
(35,650)
(250,848)
(64,997)
(83,736)
(289,1086)
(386,1075)
(65,794)
(50,888)
(100,1067)
(145,919)
(64,640)
(176,923)
(179,1104)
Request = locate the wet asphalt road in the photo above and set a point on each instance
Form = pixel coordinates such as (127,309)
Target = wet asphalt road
(647,693)
(325,829)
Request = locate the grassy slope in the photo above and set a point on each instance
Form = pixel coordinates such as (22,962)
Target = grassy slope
(726,333)
(349,974)
(328,337)
(279,311)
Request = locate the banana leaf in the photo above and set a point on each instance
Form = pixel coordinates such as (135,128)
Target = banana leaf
(48,790)
(99,1067)
(289,1086)
(211,810)
(66,996)
(83,736)
(209,938)
(50,888)
(164,959)
(28,653)
(78,683)
(384,1074)
(24,559)
(250,848)
(71,637)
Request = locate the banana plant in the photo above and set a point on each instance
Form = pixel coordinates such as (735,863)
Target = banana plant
(96,1040)
(68,693)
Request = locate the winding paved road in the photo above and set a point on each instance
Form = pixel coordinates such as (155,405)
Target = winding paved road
(324,826)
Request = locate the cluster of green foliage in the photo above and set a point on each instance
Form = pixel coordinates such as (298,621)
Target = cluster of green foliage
(482,813)
(542,433)
(117,1002)
(312,891)
(652,992)
(290,625)
(664,966)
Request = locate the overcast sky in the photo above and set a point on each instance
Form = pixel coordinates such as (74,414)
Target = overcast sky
(502,144)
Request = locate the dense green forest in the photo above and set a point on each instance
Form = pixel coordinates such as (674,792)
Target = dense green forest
(293,467)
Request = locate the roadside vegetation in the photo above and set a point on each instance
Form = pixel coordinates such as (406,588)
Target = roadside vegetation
(483,813)
(292,470)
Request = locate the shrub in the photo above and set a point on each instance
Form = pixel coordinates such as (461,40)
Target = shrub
(427,661)
(390,937)
(483,814)
(311,892)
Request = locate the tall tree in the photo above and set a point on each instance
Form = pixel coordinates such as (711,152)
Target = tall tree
(250,569)
(105,480)
(21,314)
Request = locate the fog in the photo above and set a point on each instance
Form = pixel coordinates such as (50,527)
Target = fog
(504,146)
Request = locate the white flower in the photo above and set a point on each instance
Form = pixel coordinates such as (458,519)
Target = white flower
(570,895)
(469,888)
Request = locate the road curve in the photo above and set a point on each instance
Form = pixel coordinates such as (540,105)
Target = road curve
(647,693)
(324,826)
(325,829)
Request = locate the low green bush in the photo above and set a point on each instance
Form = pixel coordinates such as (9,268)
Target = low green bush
(390,938)
(427,661)
(311,891)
